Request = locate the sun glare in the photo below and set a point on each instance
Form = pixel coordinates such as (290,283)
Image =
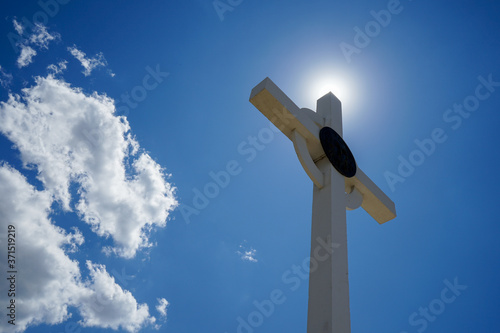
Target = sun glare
(340,84)
(337,86)
(321,82)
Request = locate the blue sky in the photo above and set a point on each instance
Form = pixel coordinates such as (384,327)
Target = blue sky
(103,154)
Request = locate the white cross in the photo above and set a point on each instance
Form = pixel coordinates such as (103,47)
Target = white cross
(328,309)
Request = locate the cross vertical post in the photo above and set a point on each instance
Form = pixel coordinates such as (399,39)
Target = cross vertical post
(328,308)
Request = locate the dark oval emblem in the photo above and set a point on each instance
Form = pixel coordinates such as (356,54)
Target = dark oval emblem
(337,152)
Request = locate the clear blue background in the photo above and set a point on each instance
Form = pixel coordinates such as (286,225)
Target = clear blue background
(428,58)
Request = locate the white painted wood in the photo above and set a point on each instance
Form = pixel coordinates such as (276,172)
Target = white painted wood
(300,145)
(328,308)
(285,115)
(354,198)
(375,202)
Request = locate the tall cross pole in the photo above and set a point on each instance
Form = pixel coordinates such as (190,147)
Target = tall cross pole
(338,184)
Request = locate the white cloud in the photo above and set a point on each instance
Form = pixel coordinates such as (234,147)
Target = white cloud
(39,37)
(162,307)
(26,56)
(48,282)
(57,69)
(89,64)
(18,26)
(107,305)
(73,138)
(247,254)
(5,78)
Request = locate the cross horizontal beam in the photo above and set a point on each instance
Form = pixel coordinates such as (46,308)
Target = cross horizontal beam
(273,103)
(375,202)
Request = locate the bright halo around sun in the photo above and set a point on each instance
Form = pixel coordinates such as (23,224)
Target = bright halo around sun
(336,86)
(340,84)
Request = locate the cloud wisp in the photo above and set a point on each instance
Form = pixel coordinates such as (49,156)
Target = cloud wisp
(39,38)
(247,253)
(89,64)
(5,78)
(162,307)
